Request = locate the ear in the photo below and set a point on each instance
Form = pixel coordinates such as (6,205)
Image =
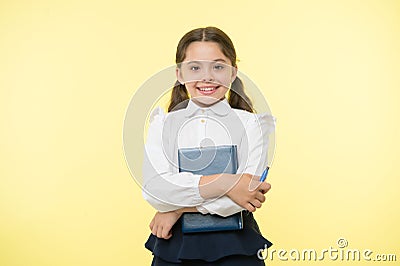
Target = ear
(234,73)
(179,77)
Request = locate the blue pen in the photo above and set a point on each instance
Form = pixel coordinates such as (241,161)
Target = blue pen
(264,175)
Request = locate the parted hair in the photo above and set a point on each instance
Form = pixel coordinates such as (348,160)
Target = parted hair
(237,98)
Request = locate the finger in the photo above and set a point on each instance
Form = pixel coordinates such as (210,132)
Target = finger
(165,231)
(250,207)
(154,230)
(168,236)
(260,197)
(264,187)
(151,224)
(256,203)
(159,231)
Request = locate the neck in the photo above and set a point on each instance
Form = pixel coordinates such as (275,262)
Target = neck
(207,101)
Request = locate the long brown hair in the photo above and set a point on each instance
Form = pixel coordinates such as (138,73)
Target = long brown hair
(237,98)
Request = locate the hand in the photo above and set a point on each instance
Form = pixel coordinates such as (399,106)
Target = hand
(249,192)
(162,223)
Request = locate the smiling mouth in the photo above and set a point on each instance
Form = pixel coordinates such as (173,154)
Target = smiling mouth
(207,90)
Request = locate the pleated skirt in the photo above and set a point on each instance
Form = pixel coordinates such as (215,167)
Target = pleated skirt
(212,248)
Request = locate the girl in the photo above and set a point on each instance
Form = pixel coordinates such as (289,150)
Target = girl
(199,115)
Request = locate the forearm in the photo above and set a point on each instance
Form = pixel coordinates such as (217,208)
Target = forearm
(218,185)
(166,196)
(164,186)
(223,206)
(168,190)
(186,209)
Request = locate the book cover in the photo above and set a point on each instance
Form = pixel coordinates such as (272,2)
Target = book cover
(208,161)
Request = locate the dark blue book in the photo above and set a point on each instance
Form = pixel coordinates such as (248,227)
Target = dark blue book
(209,161)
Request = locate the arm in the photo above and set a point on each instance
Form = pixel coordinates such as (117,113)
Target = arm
(168,191)
(162,222)
(247,192)
(163,188)
(252,161)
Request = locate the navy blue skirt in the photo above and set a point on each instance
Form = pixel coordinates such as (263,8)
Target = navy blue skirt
(212,248)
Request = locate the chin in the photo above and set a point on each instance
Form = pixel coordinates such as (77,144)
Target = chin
(206,100)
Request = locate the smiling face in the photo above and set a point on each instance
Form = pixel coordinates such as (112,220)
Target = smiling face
(206,72)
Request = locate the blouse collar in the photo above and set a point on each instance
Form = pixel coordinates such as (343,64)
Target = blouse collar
(221,108)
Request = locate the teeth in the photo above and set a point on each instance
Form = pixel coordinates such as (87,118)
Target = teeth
(206,89)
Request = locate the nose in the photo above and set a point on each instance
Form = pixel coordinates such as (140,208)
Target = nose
(208,77)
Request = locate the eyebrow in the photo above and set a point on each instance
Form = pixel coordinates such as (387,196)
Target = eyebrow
(219,60)
(199,61)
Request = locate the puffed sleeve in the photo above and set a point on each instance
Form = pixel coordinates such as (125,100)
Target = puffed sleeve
(162,188)
(252,160)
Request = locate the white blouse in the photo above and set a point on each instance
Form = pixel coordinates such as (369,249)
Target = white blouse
(165,188)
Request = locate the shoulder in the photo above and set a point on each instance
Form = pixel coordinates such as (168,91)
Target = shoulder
(242,113)
(254,120)
(158,115)
(245,115)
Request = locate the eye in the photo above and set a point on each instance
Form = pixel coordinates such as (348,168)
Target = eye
(194,68)
(219,67)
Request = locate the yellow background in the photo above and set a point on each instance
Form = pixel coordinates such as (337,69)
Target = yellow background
(329,69)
